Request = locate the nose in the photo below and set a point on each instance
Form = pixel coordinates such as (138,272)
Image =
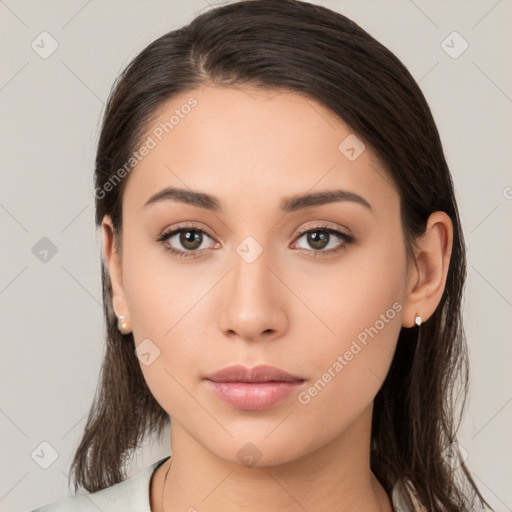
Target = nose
(254,301)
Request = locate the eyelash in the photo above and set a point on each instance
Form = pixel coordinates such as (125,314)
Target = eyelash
(347,240)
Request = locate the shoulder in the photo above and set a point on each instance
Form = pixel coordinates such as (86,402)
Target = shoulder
(130,495)
(404,499)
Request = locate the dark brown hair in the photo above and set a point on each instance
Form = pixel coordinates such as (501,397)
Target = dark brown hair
(317,52)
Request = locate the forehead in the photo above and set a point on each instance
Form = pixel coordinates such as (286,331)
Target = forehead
(251,147)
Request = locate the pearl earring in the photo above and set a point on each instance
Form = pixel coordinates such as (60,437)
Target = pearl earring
(417,320)
(122,325)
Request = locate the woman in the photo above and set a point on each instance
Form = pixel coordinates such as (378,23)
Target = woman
(283,267)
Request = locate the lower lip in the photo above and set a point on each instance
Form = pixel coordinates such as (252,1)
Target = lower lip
(255,396)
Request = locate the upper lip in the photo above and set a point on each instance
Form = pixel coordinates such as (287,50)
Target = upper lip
(261,373)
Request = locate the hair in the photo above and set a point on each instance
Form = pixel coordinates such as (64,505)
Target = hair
(310,50)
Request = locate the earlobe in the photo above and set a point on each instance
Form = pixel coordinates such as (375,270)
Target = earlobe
(432,258)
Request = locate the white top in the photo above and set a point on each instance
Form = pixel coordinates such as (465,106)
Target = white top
(132,495)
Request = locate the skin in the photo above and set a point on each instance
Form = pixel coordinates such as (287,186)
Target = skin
(250,149)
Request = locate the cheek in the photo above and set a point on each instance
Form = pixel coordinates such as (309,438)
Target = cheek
(161,304)
(360,306)
(165,330)
(159,293)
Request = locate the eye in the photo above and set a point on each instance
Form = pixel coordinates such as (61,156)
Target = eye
(188,239)
(322,239)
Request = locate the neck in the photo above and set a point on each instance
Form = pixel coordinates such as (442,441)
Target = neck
(336,476)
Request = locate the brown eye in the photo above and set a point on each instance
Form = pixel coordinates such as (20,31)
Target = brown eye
(318,239)
(190,239)
(323,239)
(185,241)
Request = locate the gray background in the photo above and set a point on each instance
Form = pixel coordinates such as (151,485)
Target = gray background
(51,316)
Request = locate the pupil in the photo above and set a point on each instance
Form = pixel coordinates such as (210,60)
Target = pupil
(318,239)
(190,239)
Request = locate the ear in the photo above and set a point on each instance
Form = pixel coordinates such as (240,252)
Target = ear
(113,262)
(428,271)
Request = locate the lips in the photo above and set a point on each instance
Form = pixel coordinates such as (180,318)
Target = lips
(261,373)
(253,389)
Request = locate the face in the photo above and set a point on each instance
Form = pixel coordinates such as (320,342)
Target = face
(312,287)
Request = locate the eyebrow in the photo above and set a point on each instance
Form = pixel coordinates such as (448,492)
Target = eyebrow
(288,205)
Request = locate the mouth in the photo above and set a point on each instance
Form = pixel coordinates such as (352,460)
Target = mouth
(253,389)
(258,374)
(253,396)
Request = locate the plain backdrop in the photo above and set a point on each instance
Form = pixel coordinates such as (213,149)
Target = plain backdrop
(51,314)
